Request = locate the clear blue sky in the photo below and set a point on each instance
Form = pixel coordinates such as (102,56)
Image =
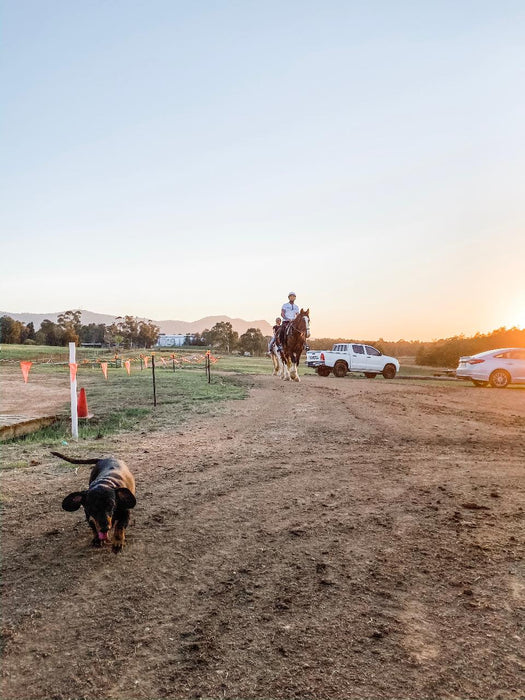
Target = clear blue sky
(176,159)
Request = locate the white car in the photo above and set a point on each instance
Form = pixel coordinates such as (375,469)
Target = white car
(499,368)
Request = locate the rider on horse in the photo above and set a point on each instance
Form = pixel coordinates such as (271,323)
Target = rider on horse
(275,330)
(289,311)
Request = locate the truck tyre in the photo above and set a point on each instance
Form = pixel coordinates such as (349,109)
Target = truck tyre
(323,371)
(340,369)
(389,372)
(370,375)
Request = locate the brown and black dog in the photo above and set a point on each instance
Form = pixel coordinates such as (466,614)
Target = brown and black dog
(107,501)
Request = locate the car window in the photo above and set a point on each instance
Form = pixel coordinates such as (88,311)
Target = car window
(358,349)
(517,354)
(372,351)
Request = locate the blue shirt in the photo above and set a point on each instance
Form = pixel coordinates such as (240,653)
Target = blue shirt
(289,311)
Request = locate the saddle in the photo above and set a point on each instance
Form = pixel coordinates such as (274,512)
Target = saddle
(284,331)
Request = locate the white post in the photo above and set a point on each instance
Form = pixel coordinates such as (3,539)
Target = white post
(74,412)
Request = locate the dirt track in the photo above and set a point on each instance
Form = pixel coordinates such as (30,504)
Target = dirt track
(333,539)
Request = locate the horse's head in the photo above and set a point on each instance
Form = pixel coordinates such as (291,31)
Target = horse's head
(304,317)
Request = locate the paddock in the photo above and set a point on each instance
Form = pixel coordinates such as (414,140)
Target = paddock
(329,539)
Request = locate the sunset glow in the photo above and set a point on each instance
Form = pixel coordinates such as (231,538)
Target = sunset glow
(205,158)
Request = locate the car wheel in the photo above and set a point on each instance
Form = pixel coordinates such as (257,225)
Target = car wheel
(476,382)
(389,372)
(323,371)
(340,369)
(499,379)
(370,375)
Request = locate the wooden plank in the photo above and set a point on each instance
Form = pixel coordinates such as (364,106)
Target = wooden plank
(12,426)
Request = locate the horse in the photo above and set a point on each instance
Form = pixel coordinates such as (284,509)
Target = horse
(276,360)
(292,340)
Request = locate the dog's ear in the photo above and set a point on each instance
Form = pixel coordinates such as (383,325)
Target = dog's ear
(125,498)
(74,500)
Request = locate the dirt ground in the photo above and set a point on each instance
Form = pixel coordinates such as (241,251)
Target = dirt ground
(43,395)
(332,539)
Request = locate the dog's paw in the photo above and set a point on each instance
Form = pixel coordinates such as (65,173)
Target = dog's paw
(117,547)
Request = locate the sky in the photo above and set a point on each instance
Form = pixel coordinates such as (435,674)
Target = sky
(178,159)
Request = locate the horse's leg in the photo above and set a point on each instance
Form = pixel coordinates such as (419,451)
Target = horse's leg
(295,368)
(293,374)
(275,362)
(286,368)
(281,361)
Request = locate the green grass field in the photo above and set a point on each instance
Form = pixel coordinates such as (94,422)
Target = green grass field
(125,403)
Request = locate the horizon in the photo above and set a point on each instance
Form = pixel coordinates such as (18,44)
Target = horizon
(237,318)
(173,155)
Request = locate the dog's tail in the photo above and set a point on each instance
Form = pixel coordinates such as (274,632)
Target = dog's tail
(76,461)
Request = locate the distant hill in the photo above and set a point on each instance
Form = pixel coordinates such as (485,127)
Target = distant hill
(168,326)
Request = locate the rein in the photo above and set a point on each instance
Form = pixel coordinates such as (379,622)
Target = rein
(294,328)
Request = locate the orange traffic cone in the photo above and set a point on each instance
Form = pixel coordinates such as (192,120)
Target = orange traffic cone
(82,407)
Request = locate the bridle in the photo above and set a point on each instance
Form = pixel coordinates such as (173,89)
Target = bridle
(306,323)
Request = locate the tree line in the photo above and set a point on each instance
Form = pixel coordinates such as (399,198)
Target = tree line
(439,353)
(131,332)
(446,352)
(126,332)
(223,338)
(398,348)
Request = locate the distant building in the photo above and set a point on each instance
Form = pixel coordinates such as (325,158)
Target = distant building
(173,341)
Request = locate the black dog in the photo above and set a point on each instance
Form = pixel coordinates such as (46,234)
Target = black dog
(107,501)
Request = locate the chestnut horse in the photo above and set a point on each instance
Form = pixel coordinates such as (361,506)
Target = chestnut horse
(292,341)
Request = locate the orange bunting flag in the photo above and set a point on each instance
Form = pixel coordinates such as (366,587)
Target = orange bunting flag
(25,367)
(73,371)
(104,368)
(127,365)
(146,362)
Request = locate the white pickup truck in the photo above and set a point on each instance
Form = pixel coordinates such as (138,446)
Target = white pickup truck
(352,357)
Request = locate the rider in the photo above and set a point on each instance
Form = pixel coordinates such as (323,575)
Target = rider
(289,311)
(275,329)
